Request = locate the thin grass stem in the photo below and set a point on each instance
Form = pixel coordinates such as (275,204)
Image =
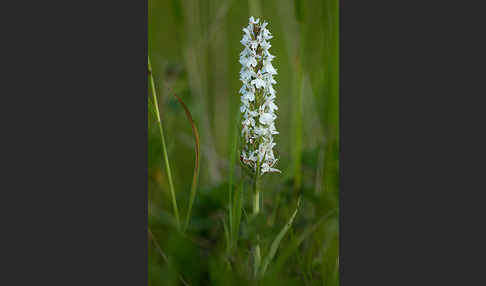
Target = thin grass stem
(196,162)
(164,147)
(256,210)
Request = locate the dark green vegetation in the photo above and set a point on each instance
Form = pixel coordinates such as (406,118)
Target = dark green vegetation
(194,48)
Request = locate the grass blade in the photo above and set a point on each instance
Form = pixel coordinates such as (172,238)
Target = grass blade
(164,147)
(196,163)
(278,238)
(295,243)
(226,235)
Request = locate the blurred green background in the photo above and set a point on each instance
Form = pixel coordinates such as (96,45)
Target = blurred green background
(194,48)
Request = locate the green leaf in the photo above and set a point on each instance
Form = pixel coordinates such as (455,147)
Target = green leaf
(278,238)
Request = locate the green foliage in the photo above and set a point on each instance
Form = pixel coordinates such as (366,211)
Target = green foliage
(194,48)
(277,240)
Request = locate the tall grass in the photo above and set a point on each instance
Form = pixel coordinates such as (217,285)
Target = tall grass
(166,159)
(164,147)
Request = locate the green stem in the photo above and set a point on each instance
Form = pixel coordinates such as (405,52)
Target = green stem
(164,148)
(256,210)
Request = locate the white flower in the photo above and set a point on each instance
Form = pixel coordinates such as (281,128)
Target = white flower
(265,45)
(249,96)
(269,68)
(267,168)
(258,82)
(257,100)
(266,118)
(243,89)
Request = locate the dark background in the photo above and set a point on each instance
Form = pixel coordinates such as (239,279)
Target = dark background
(410,133)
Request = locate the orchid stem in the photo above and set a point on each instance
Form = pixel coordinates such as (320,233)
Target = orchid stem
(256,210)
